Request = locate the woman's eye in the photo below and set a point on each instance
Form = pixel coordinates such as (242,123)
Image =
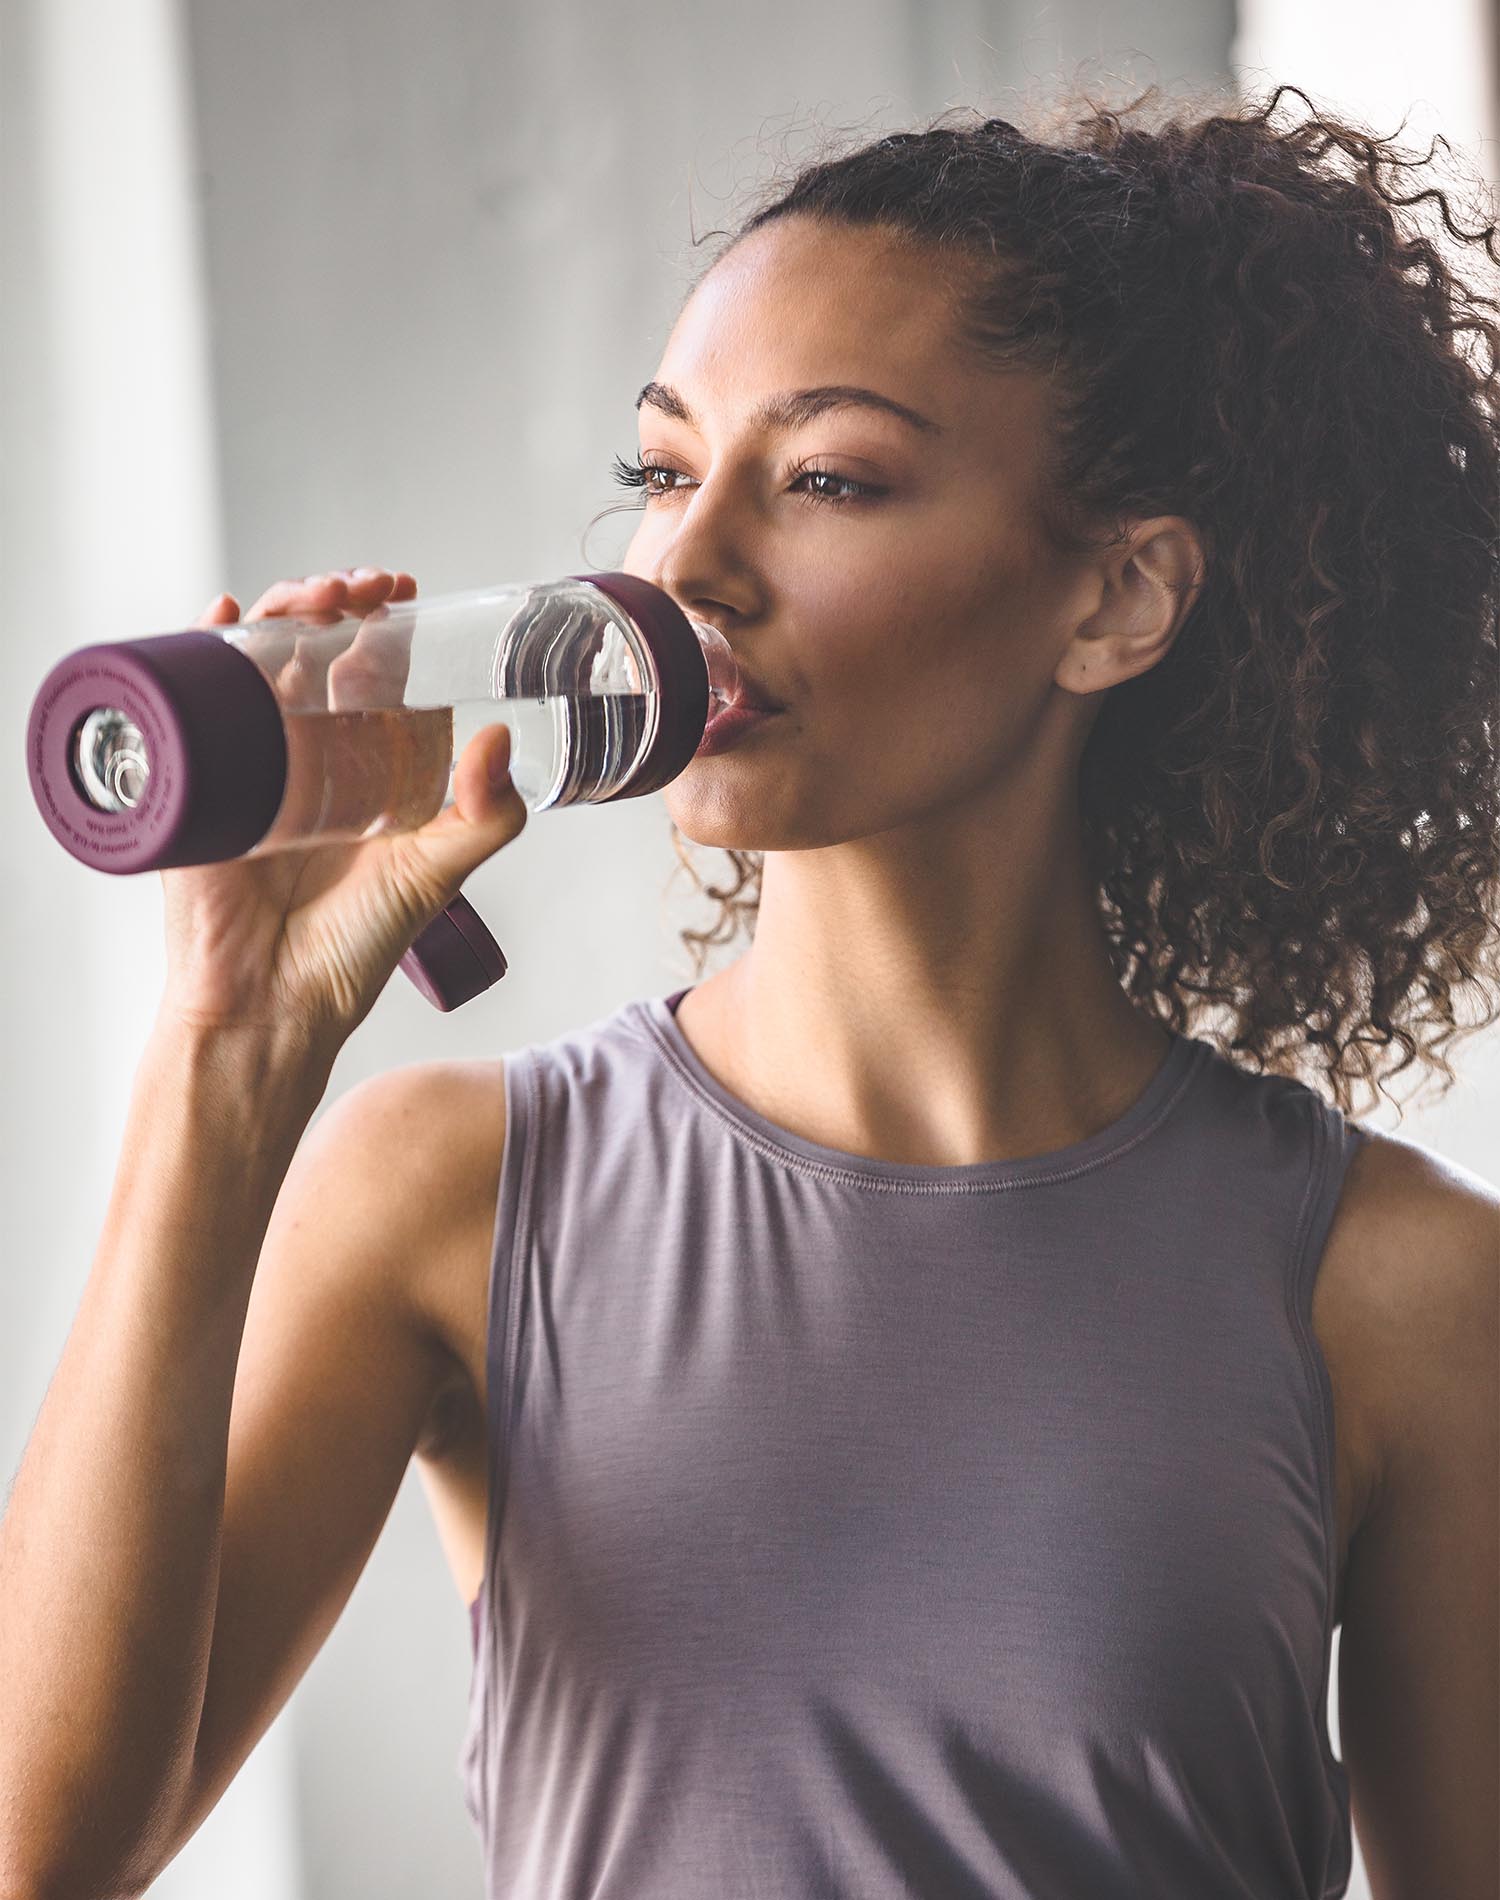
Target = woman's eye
(642,476)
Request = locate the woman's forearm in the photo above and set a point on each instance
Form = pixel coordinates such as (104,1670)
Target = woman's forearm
(110,1541)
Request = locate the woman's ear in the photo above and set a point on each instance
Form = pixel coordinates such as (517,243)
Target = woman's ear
(1148,582)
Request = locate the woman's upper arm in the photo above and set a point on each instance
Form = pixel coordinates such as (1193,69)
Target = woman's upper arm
(1419,1657)
(338,1374)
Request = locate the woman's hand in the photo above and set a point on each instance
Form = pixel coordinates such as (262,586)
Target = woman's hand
(301,941)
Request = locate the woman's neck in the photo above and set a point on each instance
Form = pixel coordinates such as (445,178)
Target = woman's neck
(898,1023)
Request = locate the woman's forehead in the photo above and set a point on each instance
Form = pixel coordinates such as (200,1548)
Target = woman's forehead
(857,277)
(815,305)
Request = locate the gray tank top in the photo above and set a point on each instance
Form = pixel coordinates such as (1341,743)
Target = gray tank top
(878,1531)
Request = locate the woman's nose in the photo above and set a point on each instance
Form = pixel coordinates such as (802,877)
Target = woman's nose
(706,574)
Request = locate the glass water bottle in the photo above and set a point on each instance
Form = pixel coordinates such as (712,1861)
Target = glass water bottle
(235,741)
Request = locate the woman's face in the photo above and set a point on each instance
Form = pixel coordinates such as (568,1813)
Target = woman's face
(901,604)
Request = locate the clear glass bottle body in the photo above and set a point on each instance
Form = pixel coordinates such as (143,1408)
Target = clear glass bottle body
(378,708)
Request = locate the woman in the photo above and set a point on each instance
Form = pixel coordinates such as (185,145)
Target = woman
(875,1399)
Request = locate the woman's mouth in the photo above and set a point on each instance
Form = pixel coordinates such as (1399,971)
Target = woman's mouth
(728,726)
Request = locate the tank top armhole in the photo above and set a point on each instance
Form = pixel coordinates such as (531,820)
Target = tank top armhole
(1333,1142)
(510,1249)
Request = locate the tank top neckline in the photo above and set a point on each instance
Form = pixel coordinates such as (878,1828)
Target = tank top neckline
(1183,1063)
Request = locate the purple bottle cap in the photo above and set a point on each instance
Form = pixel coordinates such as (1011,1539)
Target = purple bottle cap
(681,670)
(215,752)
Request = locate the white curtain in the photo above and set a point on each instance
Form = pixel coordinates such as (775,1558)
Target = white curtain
(1384,60)
(109,527)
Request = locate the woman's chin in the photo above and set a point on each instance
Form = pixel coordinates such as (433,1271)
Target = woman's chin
(722,824)
(725,837)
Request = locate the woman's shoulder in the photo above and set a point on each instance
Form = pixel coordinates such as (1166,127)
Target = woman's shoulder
(1429,1226)
(442,1110)
(1412,1264)
(437,1136)
(1418,1657)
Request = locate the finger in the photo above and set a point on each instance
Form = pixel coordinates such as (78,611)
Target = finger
(313,592)
(367,586)
(372,672)
(358,589)
(222,610)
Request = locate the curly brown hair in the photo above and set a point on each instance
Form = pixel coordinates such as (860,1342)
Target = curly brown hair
(1294,816)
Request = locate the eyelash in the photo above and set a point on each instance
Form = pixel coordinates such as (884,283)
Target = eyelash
(638,475)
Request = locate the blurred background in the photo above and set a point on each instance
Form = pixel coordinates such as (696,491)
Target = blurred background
(294,287)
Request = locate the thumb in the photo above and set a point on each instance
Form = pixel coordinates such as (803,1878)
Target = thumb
(486,814)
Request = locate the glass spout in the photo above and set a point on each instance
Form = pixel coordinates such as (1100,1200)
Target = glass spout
(723,672)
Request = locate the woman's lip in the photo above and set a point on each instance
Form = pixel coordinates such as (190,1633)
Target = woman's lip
(729,725)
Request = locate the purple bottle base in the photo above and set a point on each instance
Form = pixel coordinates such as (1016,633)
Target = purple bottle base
(216,742)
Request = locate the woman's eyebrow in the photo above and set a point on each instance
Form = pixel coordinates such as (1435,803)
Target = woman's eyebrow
(792,407)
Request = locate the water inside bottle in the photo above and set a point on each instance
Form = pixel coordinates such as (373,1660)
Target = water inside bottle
(568,748)
(356,775)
